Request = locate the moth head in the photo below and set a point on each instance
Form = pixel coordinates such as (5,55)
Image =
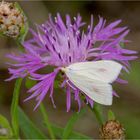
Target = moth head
(63,69)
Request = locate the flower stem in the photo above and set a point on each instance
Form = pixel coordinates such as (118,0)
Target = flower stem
(14,108)
(98,113)
(46,120)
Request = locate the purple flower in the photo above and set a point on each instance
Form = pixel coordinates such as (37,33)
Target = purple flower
(60,44)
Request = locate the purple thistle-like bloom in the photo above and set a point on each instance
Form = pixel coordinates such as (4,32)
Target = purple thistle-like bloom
(60,44)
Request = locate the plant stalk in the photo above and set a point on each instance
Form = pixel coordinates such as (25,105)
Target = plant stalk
(46,120)
(14,108)
(97,110)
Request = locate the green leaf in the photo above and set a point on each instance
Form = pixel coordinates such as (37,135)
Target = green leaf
(29,83)
(111,115)
(71,122)
(29,130)
(46,120)
(4,125)
(14,107)
(73,135)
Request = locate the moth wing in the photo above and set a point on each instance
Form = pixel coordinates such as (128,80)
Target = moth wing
(104,70)
(98,91)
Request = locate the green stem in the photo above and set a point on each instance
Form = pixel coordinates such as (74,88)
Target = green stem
(14,108)
(98,113)
(97,110)
(46,120)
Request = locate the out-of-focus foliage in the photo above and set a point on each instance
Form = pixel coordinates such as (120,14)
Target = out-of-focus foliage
(29,130)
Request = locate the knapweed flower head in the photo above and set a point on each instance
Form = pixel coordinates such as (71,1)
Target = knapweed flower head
(112,129)
(59,44)
(11,19)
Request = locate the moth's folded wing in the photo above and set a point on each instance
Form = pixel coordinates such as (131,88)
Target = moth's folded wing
(104,70)
(98,91)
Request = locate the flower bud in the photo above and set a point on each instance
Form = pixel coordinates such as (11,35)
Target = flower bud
(12,19)
(112,129)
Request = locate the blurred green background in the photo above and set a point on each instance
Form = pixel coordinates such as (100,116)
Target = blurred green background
(126,108)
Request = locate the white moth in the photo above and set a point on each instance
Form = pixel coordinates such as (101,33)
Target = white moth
(94,78)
